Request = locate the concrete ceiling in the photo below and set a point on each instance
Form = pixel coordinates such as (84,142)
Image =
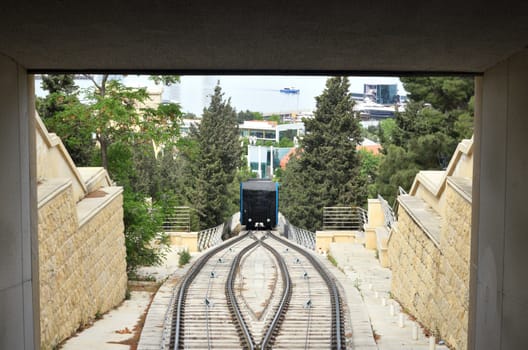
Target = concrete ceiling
(257,36)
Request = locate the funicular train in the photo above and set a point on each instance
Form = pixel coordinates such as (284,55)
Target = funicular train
(259,204)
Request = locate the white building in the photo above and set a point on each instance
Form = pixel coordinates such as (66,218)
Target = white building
(269,130)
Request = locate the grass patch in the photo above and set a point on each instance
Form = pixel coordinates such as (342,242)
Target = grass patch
(133,276)
(332,259)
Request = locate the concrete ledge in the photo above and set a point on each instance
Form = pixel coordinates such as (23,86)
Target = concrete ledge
(94,178)
(155,333)
(324,238)
(370,237)
(187,240)
(95,202)
(52,142)
(382,238)
(462,185)
(49,189)
(423,215)
(432,180)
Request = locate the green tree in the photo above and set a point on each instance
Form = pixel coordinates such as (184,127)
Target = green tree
(145,245)
(285,142)
(327,171)
(63,95)
(369,165)
(115,114)
(425,135)
(275,118)
(445,94)
(216,162)
(385,130)
(248,115)
(126,130)
(166,80)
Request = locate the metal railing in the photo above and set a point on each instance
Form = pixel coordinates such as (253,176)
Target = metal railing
(302,237)
(210,237)
(388,213)
(344,218)
(178,221)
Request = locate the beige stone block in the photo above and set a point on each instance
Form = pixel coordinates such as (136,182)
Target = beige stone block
(344,237)
(370,237)
(375,214)
(323,240)
(383,258)
(189,240)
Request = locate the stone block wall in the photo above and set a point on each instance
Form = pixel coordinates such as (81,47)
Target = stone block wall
(82,269)
(455,244)
(325,238)
(432,282)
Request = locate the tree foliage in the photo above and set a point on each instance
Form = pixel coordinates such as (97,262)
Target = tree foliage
(369,165)
(117,113)
(125,129)
(327,170)
(424,136)
(63,95)
(215,161)
(248,115)
(145,245)
(166,80)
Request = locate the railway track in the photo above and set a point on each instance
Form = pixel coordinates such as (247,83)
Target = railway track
(257,291)
(309,324)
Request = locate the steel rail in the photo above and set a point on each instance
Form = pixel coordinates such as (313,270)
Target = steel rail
(236,313)
(209,283)
(338,331)
(274,325)
(186,282)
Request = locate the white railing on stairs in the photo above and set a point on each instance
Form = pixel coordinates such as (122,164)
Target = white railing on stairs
(210,237)
(388,213)
(302,237)
(344,218)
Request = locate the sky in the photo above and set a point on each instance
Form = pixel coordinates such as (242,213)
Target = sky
(254,93)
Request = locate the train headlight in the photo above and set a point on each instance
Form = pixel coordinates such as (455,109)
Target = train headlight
(249,220)
(268,220)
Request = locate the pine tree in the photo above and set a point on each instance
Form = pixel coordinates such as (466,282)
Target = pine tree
(424,136)
(327,170)
(217,161)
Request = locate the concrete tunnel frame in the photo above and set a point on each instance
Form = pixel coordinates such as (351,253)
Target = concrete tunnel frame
(498,298)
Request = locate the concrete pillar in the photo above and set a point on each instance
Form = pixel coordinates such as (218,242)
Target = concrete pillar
(19,304)
(499,290)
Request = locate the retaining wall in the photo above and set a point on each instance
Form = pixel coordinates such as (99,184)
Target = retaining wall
(430,281)
(82,268)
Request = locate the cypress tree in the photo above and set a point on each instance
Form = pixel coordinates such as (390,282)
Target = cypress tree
(326,172)
(217,161)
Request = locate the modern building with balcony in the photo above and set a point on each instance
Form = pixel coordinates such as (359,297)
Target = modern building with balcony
(269,130)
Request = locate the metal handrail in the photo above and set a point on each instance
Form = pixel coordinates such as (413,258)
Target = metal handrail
(302,237)
(388,213)
(344,218)
(210,237)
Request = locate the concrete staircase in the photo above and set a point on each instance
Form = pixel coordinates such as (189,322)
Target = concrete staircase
(55,169)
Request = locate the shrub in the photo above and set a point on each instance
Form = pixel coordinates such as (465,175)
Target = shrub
(185,257)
